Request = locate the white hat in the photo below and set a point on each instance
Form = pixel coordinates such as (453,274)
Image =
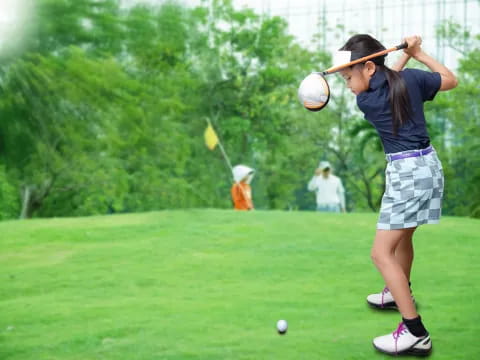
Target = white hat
(241,171)
(341,57)
(324,165)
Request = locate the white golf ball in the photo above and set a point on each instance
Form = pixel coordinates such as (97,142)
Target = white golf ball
(282,326)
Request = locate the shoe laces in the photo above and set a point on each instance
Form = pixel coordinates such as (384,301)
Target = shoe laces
(401,329)
(384,291)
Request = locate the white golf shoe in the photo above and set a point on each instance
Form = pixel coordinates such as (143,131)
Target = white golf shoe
(383,300)
(403,342)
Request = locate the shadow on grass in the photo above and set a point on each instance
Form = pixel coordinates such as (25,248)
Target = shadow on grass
(387,310)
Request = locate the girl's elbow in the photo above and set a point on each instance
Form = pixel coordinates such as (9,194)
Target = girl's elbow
(449,83)
(455,82)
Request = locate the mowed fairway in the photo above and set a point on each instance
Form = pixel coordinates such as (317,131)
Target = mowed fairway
(211,284)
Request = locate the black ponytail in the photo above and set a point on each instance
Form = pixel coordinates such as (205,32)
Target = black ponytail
(399,100)
(363,45)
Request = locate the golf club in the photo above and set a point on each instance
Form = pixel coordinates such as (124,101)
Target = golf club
(314,92)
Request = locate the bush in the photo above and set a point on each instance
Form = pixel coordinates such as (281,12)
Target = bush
(9,197)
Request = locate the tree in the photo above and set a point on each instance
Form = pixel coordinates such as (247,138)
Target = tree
(105,109)
(461,131)
(251,69)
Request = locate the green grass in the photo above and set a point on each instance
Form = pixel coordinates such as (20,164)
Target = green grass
(211,284)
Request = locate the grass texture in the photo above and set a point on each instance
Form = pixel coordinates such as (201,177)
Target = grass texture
(211,284)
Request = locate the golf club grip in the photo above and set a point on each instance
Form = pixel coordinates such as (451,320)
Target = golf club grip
(334,69)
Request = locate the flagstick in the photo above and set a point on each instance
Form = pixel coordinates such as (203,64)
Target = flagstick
(227,160)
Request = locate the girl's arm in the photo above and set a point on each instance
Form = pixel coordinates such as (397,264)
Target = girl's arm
(449,80)
(401,62)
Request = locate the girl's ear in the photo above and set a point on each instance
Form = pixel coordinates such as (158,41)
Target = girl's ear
(369,68)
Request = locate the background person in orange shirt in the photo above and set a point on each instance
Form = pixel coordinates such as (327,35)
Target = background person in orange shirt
(241,190)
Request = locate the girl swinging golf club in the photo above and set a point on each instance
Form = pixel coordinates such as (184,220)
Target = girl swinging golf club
(392,101)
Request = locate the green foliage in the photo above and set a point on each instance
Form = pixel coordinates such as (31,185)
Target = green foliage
(9,199)
(56,113)
(105,109)
(460,112)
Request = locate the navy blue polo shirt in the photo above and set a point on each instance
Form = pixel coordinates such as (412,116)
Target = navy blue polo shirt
(422,86)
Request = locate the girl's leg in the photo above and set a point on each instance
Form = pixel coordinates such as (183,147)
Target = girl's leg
(411,337)
(384,257)
(404,253)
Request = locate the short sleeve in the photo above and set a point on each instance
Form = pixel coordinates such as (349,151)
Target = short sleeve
(428,82)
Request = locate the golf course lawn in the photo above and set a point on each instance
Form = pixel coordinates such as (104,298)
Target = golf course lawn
(211,284)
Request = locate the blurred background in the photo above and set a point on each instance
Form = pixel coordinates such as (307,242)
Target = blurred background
(311,21)
(104,102)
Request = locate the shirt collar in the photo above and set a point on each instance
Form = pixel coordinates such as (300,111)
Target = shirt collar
(377,80)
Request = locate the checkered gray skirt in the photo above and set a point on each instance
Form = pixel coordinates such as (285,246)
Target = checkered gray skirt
(413,192)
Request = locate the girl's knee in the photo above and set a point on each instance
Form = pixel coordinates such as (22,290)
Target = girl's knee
(379,257)
(375,256)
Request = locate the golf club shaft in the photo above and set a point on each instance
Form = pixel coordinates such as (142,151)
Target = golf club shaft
(334,69)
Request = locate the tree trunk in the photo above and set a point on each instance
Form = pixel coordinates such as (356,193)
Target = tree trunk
(33,196)
(26,203)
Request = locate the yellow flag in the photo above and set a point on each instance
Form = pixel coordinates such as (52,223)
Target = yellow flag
(211,138)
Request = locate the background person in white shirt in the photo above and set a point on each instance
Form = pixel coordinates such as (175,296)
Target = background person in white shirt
(328,188)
